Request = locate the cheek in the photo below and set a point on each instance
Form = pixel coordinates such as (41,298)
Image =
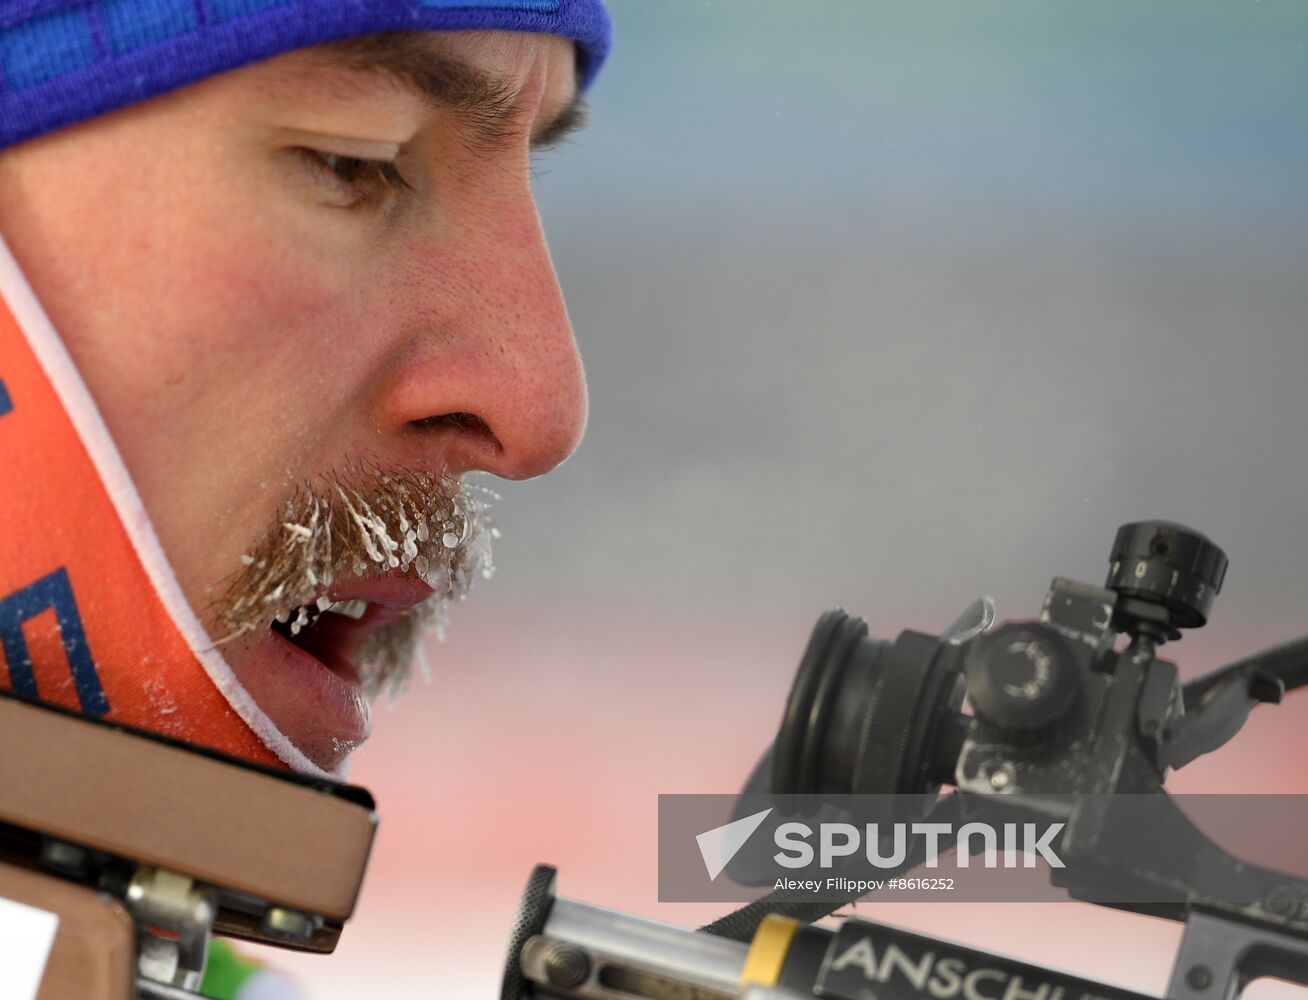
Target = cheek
(255,305)
(222,363)
(175,307)
(249,384)
(217,347)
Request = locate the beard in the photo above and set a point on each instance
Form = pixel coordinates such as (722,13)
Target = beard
(358,523)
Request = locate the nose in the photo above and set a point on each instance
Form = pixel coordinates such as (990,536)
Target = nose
(491,378)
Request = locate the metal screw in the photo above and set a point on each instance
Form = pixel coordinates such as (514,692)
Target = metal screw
(289,925)
(1200,977)
(65,859)
(1002,777)
(566,965)
(1281,901)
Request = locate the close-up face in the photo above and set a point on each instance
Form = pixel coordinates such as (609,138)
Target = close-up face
(313,284)
(944,409)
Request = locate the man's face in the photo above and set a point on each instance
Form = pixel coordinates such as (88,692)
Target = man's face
(328,261)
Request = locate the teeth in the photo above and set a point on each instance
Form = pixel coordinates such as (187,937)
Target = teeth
(350,609)
(301,620)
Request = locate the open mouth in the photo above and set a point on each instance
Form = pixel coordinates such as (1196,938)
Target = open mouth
(330,632)
(336,629)
(312,671)
(358,567)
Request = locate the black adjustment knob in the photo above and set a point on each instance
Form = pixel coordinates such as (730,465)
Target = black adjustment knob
(533,912)
(1023,679)
(1170,565)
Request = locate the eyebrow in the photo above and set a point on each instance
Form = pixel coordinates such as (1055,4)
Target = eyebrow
(484,102)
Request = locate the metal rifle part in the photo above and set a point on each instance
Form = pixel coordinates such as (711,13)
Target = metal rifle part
(585,952)
(174,918)
(1060,715)
(144,846)
(1219,957)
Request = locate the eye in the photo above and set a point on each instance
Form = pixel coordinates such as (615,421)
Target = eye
(356,180)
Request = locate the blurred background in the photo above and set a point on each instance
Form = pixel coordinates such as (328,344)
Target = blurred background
(884,305)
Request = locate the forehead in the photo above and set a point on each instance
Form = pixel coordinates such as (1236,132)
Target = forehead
(506,52)
(468,69)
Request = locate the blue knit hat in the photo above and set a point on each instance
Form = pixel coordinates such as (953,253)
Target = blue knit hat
(62,61)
